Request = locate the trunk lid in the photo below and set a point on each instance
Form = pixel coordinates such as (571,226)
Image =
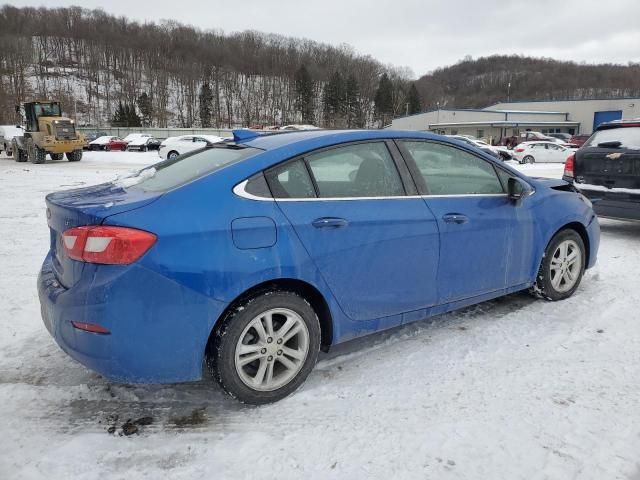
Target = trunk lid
(86,206)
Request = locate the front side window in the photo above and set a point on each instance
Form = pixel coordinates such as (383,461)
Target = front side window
(451,171)
(360,170)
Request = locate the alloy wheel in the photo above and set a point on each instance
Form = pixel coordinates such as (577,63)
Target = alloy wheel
(566,265)
(272,349)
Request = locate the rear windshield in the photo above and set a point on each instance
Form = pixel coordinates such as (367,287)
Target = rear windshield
(173,173)
(629,137)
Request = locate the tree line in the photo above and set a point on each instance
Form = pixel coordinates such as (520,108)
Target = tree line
(488,80)
(110,70)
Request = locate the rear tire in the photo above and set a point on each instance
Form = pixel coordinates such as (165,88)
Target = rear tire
(172,155)
(74,156)
(57,156)
(562,266)
(265,348)
(528,159)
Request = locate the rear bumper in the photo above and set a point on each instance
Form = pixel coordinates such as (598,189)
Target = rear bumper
(158,330)
(614,204)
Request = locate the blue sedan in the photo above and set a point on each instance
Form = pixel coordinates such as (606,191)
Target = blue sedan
(249,256)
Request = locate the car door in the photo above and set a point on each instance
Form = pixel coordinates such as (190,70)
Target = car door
(557,153)
(375,246)
(474,214)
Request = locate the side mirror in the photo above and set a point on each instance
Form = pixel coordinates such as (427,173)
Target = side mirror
(518,190)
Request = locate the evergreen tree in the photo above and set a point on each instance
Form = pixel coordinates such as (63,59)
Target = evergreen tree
(384,100)
(126,116)
(205,101)
(304,94)
(333,100)
(146,109)
(353,109)
(118,119)
(414,100)
(132,118)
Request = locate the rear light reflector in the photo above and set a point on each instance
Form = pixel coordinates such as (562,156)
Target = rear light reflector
(91,327)
(519,150)
(568,166)
(107,245)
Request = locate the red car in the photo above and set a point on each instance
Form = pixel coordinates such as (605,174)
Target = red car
(116,144)
(578,140)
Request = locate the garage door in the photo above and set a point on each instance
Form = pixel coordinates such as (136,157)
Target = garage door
(601,117)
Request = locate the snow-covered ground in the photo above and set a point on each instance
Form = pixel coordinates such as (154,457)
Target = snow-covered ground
(514,388)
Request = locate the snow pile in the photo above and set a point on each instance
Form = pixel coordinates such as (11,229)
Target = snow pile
(136,178)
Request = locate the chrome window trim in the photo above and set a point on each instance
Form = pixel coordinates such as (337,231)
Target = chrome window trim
(240,191)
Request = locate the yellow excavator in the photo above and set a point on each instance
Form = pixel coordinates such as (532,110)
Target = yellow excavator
(47,132)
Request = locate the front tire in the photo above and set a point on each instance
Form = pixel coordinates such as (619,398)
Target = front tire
(265,348)
(74,156)
(562,266)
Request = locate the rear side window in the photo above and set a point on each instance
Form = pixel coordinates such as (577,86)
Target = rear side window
(629,137)
(451,171)
(291,180)
(173,173)
(360,170)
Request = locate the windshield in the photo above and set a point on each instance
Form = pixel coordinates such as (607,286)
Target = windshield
(629,137)
(173,173)
(47,110)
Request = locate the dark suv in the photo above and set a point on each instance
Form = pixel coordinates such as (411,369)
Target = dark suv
(606,169)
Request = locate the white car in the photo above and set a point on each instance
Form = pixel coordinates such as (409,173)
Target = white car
(135,136)
(538,152)
(484,146)
(101,142)
(173,147)
(299,127)
(7,132)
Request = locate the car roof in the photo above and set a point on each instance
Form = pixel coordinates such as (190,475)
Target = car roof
(303,140)
(618,124)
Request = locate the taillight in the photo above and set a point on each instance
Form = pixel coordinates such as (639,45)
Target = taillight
(107,245)
(519,150)
(568,165)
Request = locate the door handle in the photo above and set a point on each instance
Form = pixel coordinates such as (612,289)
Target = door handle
(456,218)
(329,222)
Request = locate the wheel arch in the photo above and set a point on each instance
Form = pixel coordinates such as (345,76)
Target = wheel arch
(307,291)
(581,230)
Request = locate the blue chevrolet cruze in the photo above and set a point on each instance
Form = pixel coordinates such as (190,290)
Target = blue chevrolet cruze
(249,256)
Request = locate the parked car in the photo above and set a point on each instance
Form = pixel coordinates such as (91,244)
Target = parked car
(578,140)
(563,137)
(541,152)
(173,147)
(115,143)
(101,142)
(7,132)
(299,127)
(135,136)
(226,255)
(607,169)
(90,137)
(142,144)
(485,147)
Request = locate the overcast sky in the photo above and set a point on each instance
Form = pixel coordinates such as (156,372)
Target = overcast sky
(421,35)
